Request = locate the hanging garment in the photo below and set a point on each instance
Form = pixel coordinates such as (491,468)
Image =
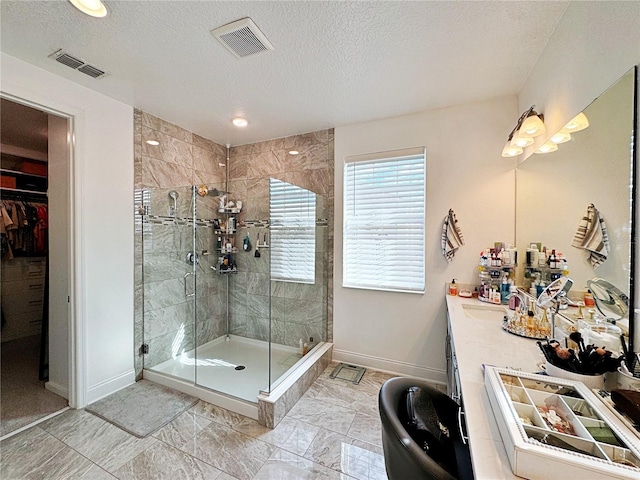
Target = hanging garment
(5,223)
(40,230)
(6,218)
(593,237)
(452,238)
(23,228)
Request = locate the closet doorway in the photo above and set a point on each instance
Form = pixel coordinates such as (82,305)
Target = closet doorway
(34,231)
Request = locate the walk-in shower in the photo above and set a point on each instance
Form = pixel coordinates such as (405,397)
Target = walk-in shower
(216,314)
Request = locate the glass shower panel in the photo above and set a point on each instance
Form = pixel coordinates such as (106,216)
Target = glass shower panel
(232,298)
(168,281)
(298,275)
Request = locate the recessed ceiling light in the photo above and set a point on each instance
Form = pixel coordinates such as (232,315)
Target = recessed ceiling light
(153,142)
(94,8)
(293,152)
(240,122)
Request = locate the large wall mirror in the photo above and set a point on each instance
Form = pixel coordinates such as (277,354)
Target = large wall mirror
(553,190)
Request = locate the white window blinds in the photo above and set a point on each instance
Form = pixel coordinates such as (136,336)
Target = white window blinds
(384,221)
(293,232)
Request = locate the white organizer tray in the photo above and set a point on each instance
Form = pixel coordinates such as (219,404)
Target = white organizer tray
(515,395)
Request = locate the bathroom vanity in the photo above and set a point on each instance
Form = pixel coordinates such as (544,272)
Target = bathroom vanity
(476,340)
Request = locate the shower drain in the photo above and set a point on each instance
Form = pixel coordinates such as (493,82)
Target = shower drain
(240,367)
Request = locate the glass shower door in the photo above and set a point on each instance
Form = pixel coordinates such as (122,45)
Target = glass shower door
(232,295)
(168,281)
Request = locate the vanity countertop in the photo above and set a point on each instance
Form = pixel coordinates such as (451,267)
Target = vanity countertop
(478,342)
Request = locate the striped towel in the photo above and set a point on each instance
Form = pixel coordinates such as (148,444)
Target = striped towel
(592,236)
(451,236)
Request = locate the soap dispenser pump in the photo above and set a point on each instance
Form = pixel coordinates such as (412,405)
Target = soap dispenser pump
(453,288)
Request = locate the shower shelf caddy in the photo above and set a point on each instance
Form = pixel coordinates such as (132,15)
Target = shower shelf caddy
(227,236)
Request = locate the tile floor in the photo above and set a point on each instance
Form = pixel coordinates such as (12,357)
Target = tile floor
(333,432)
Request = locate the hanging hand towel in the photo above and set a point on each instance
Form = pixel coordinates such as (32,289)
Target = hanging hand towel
(451,236)
(592,236)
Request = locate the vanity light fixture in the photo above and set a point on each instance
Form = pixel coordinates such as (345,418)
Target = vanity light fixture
(521,142)
(560,137)
(155,143)
(240,122)
(547,148)
(530,124)
(577,123)
(294,152)
(509,151)
(93,8)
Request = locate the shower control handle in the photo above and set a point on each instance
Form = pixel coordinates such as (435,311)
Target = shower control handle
(186,290)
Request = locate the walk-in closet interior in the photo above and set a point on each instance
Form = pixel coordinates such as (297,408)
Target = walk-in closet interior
(232,257)
(24,233)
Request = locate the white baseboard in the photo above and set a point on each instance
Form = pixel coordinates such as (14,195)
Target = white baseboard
(58,389)
(110,386)
(391,366)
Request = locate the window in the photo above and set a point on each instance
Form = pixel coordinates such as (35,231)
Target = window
(384,221)
(292,212)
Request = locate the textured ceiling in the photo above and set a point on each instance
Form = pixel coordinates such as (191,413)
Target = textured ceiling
(334,63)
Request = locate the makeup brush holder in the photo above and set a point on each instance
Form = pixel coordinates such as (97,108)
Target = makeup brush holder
(591,381)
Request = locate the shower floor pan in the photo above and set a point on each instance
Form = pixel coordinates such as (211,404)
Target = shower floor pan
(219,366)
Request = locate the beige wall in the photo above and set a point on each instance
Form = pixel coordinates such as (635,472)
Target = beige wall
(403,332)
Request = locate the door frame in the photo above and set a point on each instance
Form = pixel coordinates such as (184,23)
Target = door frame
(76,338)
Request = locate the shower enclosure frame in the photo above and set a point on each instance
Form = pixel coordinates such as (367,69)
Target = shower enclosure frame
(192,292)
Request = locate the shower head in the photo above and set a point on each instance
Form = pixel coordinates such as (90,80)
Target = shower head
(173,209)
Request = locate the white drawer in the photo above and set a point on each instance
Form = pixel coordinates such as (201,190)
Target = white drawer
(22,302)
(22,286)
(23,268)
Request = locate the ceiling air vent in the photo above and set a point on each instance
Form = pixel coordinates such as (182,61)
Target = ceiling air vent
(78,64)
(242,37)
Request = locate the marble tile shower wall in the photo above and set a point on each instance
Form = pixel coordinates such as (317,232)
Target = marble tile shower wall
(180,160)
(297,310)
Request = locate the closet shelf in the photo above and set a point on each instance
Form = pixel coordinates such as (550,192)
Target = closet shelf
(17,172)
(20,190)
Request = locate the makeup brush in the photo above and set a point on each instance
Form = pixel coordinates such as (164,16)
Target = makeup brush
(544,352)
(577,338)
(628,361)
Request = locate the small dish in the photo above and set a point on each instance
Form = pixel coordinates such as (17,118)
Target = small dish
(465,294)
